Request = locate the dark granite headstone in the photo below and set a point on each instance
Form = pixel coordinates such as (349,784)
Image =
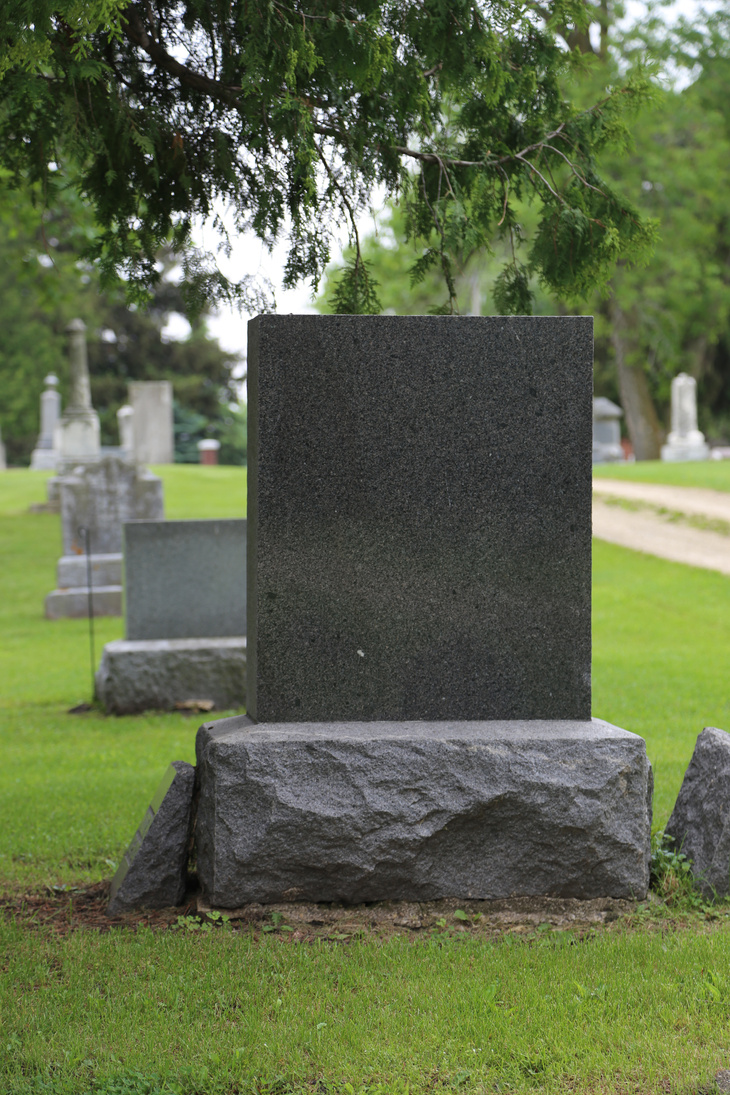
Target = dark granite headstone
(419,518)
(419,552)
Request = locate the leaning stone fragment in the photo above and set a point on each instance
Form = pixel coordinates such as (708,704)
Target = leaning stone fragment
(152,874)
(700,821)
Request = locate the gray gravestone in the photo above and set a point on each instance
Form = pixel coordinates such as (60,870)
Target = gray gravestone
(45,454)
(607,432)
(419,548)
(700,821)
(685,441)
(151,402)
(101,496)
(185,579)
(153,870)
(420,504)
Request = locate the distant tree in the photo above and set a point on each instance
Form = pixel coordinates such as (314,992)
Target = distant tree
(292,112)
(44,283)
(652,321)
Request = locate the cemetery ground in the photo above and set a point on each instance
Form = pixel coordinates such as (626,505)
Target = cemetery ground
(626,998)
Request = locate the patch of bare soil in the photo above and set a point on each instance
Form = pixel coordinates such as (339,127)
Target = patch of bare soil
(73,909)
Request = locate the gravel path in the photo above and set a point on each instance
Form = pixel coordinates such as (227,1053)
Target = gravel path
(666,534)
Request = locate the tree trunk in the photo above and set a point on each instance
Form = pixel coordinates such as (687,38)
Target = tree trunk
(642,423)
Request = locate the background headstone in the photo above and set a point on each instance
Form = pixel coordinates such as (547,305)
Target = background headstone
(101,497)
(125,424)
(151,401)
(185,579)
(185,602)
(45,454)
(78,427)
(685,441)
(606,432)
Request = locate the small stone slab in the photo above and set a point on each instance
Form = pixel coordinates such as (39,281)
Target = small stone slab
(152,874)
(158,674)
(419,811)
(700,821)
(74,603)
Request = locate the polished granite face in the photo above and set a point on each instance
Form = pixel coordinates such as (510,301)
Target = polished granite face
(419,539)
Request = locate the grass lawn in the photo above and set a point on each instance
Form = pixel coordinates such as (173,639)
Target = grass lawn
(712,474)
(641,1006)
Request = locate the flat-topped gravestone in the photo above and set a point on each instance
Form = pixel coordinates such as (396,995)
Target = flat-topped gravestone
(419,534)
(419,518)
(151,402)
(185,608)
(185,579)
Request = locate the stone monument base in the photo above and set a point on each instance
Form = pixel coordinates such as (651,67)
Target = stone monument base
(73,603)
(144,674)
(371,811)
(677,453)
(71,599)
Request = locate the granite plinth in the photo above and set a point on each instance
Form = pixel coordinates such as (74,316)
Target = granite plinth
(700,820)
(415,810)
(419,538)
(150,674)
(185,579)
(153,871)
(74,602)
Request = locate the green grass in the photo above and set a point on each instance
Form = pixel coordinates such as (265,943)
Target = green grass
(72,785)
(713,474)
(640,1012)
(627,1009)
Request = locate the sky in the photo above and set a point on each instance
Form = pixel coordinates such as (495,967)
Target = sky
(250,256)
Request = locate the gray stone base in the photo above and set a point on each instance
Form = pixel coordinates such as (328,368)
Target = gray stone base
(138,675)
(106,570)
(74,602)
(677,454)
(419,811)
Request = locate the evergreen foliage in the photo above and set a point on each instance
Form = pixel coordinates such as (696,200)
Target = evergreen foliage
(291,112)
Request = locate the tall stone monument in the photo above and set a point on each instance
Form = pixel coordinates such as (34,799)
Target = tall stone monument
(96,494)
(151,402)
(419,645)
(45,454)
(79,436)
(685,441)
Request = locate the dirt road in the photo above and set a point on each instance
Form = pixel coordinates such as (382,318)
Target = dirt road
(683,524)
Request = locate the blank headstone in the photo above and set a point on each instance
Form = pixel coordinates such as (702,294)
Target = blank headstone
(420,498)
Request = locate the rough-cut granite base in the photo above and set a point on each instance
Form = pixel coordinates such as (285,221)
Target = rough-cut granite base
(700,821)
(139,675)
(153,871)
(421,810)
(74,603)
